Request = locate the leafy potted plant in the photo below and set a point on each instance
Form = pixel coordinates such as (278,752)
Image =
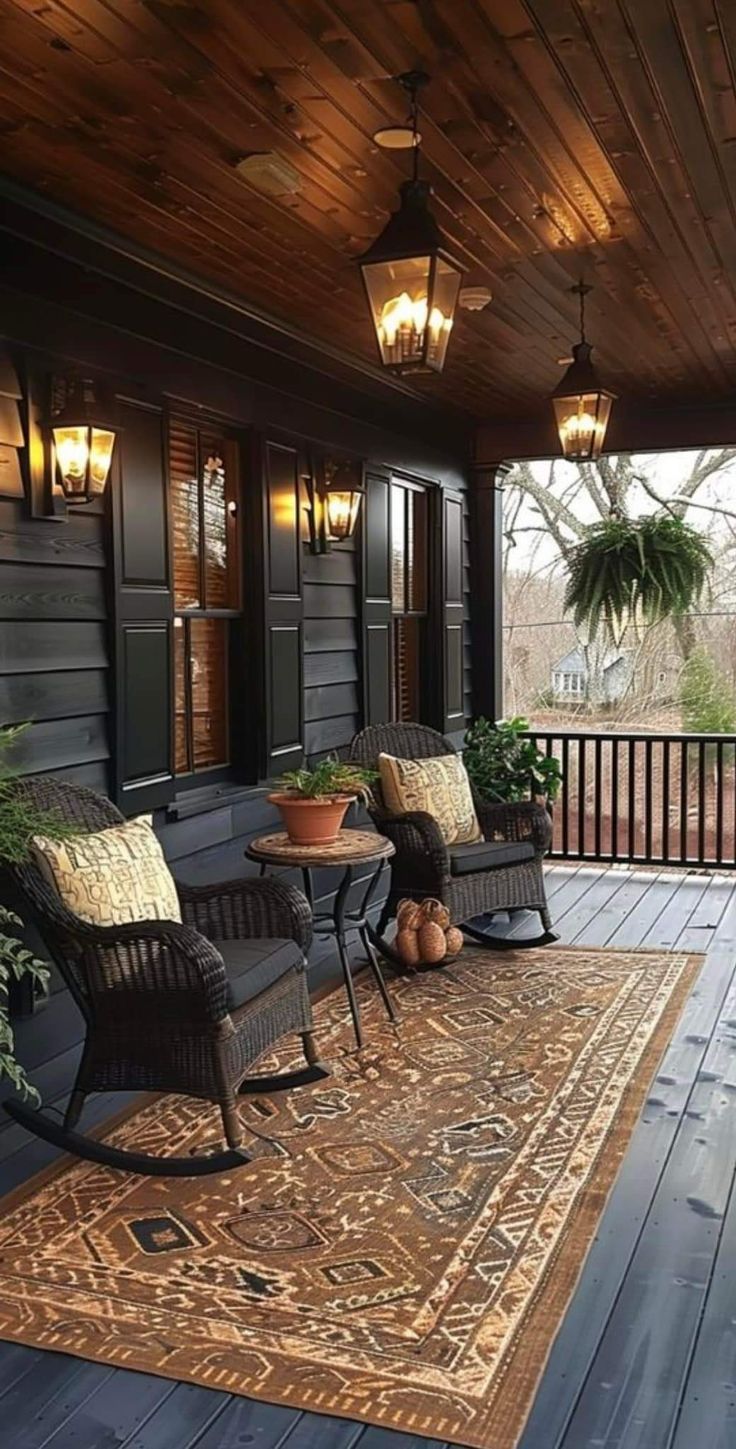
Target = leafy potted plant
(18,823)
(313,802)
(626,569)
(505,765)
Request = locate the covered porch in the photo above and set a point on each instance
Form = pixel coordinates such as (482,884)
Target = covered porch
(185,192)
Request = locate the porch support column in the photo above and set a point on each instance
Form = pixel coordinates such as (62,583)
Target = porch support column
(486,587)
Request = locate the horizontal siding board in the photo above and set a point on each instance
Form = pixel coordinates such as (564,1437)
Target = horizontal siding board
(26,647)
(94,775)
(334,568)
(326,635)
(54,744)
(330,734)
(33,591)
(329,601)
(52,696)
(339,667)
(326,700)
(78,539)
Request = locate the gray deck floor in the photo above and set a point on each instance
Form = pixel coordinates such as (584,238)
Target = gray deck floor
(646,1356)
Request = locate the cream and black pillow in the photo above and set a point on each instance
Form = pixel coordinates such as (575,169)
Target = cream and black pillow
(440,786)
(113,877)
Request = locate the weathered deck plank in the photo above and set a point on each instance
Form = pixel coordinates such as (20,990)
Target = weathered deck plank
(649,1334)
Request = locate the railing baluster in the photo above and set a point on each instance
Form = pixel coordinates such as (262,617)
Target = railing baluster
(719,802)
(632,798)
(597,795)
(665,800)
(701,803)
(648,801)
(684,800)
(614,798)
(581,796)
(565,796)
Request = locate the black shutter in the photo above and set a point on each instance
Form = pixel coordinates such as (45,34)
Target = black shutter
(377,598)
(142,614)
(283,609)
(452,703)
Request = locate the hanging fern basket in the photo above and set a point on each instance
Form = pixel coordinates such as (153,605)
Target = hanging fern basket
(631,569)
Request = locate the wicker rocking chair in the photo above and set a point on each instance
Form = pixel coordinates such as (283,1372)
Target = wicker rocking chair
(503,872)
(173,1007)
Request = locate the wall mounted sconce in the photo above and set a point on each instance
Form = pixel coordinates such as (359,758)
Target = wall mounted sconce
(83,433)
(334,494)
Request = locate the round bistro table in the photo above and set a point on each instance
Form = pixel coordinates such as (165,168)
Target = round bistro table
(352,848)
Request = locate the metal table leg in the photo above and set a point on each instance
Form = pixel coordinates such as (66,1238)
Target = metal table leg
(342,947)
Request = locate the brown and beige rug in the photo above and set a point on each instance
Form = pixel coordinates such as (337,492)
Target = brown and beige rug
(403,1250)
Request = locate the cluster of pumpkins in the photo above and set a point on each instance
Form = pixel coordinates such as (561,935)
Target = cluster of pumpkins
(425,935)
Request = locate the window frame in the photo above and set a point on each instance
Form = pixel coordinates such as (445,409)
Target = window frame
(202,423)
(423,616)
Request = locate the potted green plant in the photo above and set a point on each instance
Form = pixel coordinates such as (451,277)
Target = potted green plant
(18,823)
(313,802)
(504,764)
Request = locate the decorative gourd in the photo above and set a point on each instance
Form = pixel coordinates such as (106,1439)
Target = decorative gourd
(454,938)
(432,943)
(435,911)
(407,946)
(409,915)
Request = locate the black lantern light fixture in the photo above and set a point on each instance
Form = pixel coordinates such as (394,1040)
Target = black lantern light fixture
(84,437)
(334,495)
(411,281)
(582,407)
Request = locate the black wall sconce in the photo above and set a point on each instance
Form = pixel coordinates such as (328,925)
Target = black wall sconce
(334,492)
(83,432)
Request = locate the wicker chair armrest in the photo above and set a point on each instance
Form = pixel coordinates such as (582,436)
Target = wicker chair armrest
(416,833)
(238,909)
(523,820)
(161,957)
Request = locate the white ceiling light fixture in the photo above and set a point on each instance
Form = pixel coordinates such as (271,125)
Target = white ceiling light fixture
(269,173)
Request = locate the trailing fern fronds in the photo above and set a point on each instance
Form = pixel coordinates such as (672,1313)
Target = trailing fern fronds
(624,569)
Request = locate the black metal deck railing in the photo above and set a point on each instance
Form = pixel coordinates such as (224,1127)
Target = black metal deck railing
(653,799)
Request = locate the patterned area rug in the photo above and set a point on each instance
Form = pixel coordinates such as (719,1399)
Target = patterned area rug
(403,1250)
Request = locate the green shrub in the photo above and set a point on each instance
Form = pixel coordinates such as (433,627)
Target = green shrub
(504,765)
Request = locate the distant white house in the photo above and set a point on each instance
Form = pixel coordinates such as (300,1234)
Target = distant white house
(570,681)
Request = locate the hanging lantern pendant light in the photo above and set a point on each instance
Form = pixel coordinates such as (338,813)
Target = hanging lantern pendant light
(411,281)
(582,407)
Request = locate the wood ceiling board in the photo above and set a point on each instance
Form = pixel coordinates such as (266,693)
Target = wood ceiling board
(558,134)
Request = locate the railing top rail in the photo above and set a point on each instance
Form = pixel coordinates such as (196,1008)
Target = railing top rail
(658,736)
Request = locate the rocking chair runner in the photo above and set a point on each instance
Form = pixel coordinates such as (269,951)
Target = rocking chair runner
(503,872)
(173,1007)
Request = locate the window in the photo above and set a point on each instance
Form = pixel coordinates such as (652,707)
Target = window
(203,478)
(409,571)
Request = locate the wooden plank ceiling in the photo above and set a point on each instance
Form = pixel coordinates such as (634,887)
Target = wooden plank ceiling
(561,136)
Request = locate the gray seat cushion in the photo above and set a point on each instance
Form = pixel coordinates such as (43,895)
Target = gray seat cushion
(488,855)
(252,966)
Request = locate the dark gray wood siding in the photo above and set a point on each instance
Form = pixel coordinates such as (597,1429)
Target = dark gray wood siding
(332,713)
(54,656)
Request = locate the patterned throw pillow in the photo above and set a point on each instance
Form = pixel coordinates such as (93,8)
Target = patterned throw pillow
(113,877)
(440,786)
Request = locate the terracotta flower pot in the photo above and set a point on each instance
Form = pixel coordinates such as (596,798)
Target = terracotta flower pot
(312,822)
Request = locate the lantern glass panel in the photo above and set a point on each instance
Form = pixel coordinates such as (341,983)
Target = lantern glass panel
(582,420)
(398,293)
(342,512)
(444,300)
(72,456)
(100,456)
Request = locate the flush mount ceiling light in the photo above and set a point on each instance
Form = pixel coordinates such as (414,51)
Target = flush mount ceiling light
(582,407)
(411,281)
(269,173)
